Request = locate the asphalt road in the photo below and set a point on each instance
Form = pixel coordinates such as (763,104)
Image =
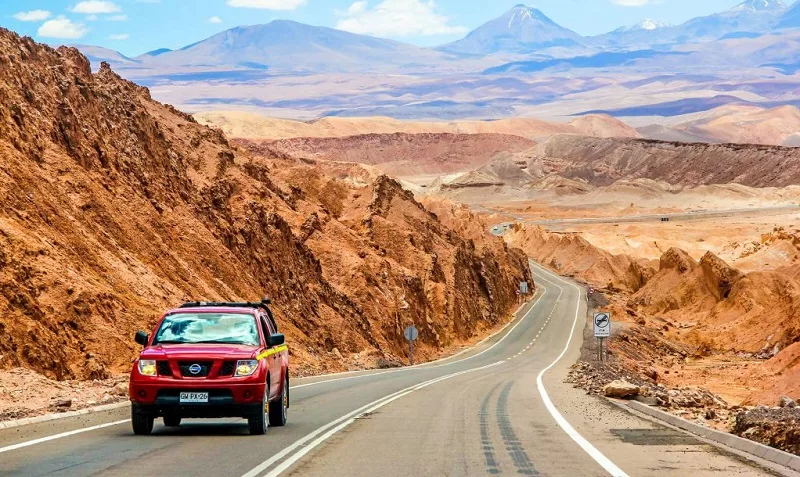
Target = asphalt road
(500,408)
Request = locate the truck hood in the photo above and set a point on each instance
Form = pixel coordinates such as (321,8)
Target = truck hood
(200,351)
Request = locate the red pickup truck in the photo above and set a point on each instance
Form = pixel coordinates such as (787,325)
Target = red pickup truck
(213,360)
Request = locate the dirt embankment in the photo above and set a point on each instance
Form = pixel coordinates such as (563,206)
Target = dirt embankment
(687,326)
(401,154)
(116,207)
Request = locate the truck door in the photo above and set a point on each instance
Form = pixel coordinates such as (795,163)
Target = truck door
(273,361)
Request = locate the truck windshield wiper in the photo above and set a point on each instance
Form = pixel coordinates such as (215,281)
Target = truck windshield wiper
(218,342)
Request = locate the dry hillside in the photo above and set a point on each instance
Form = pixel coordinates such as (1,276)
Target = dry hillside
(254,126)
(706,307)
(116,207)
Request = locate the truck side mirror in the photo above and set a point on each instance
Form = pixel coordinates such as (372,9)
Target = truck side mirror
(276,340)
(142,338)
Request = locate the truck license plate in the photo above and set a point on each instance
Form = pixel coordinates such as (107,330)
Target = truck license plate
(193,397)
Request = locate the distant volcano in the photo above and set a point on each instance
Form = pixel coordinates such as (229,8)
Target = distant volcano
(520,30)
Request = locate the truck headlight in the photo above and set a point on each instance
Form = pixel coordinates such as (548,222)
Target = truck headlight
(246,367)
(147,367)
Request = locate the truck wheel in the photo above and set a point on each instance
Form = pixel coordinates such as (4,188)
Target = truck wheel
(258,421)
(277,409)
(171,420)
(141,421)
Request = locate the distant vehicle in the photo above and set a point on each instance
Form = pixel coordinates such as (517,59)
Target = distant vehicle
(212,360)
(496,229)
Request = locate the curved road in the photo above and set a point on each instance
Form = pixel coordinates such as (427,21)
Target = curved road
(499,408)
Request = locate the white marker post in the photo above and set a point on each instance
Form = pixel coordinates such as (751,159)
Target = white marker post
(602,330)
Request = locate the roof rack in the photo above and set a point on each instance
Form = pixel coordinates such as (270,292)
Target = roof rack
(263,304)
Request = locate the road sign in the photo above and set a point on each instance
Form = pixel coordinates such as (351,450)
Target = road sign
(523,288)
(602,325)
(411,333)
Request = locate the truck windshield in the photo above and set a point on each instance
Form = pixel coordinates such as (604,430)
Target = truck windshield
(223,328)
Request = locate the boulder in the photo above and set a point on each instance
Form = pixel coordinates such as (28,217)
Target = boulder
(121,389)
(620,389)
(786,401)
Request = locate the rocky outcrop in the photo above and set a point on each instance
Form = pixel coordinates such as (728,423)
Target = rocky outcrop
(116,207)
(602,161)
(571,254)
(719,276)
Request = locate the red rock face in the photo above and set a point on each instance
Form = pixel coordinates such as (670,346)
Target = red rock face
(404,154)
(601,161)
(116,207)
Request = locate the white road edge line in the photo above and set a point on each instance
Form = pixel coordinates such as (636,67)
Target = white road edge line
(58,436)
(332,428)
(587,446)
(428,365)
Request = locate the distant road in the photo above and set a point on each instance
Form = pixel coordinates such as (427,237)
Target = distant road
(560,224)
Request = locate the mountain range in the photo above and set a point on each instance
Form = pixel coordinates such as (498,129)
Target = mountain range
(290,46)
(520,63)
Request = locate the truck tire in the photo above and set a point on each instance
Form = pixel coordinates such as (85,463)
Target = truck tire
(141,421)
(171,420)
(278,408)
(258,420)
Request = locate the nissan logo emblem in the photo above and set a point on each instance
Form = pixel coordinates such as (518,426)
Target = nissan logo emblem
(195,368)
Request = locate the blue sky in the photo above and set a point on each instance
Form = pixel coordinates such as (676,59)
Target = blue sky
(136,26)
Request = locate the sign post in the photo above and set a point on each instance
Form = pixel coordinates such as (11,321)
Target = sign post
(602,330)
(411,333)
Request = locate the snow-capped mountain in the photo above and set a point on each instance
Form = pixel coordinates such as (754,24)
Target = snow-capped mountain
(644,25)
(760,6)
(520,30)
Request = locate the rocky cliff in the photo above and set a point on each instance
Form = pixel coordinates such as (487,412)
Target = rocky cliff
(116,207)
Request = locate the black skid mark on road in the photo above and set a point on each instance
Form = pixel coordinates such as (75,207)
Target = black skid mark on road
(486,441)
(515,450)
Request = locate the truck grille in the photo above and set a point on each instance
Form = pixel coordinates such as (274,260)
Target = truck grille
(185,366)
(163,369)
(227,369)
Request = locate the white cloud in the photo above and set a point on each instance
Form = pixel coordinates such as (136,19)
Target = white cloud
(117,18)
(92,18)
(632,3)
(95,6)
(215,20)
(397,18)
(33,16)
(62,27)
(357,8)
(119,36)
(267,4)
